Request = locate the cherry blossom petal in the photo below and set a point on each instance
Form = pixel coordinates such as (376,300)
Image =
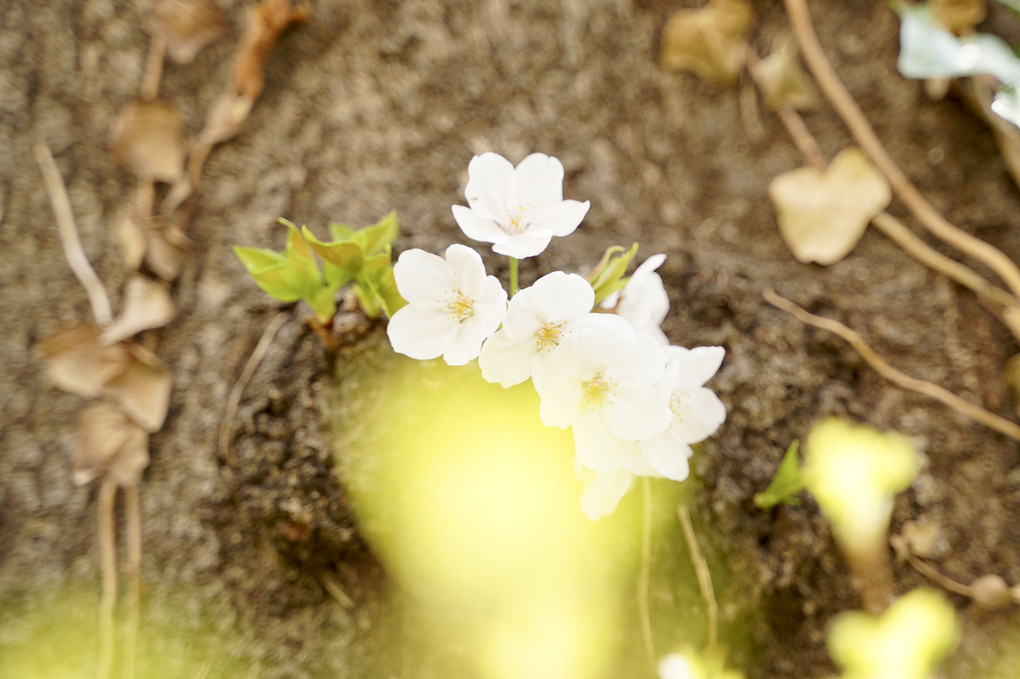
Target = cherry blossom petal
(491,186)
(523,245)
(422,278)
(695,366)
(467,268)
(506,361)
(699,414)
(602,492)
(539,181)
(560,219)
(420,333)
(477,227)
(668,456)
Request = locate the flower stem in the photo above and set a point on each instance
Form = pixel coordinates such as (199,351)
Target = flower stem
(513,276)
(645,574)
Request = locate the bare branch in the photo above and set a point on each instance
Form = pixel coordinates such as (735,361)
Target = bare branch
(890,373)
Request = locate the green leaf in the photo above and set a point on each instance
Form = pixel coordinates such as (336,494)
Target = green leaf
(345,255)
(377,283)
(785,484)
(276,274)
(380,236)
(607,277)
(300,254)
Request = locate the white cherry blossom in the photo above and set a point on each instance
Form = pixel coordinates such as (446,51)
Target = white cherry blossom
(602,492)
(604,381)
(452,306)
(519,209)
(538,319)
(643,301)
(697,411)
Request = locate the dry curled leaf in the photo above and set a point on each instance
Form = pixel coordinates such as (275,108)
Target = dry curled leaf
(79,362)
(231,108)
(822,216)
(959,16)
(990,592)
(187,26)
(147,141)
(711,41)
(146,305)
(783,81)
(109,444)
(921,538)
(163,247)
(142,390)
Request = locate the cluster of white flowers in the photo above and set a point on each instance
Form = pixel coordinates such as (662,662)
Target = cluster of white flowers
(635,403)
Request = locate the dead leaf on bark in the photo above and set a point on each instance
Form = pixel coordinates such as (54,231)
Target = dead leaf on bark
(783,81)
(146,305)
(142,390)
(921,538)
(109,444)
(130,239)
(168,249)
(161,246)
(79,362)
(147,141)
(231,108)
(187,26)
(822,216)
(990,592)
(711,41)
(959,16)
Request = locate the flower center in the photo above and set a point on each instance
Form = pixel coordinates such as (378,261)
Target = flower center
(596,391)
(459,306)
(676,404)
(549,335)
(515,219)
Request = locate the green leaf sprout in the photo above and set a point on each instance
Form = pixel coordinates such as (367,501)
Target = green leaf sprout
(354,256)
(785,484)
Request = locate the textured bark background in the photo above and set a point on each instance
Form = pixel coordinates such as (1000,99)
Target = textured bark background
(376,105)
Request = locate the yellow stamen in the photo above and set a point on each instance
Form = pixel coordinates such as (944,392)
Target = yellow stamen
(549,335)
(459,306)
(597,391)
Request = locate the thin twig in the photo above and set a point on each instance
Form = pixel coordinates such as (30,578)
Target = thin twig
(947,266)
(337,592)
(860,128)
(794,124)
(992,295)
(108,561)
(73,250)
(936,392)
(644,578)
(133,515)
(149,88)
(227,425)
(704,574)
(943,581)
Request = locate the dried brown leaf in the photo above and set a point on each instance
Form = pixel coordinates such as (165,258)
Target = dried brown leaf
(711,41)
(921,538)
(142,390)
(783,81)
(109,444)
(822,216)
(167,251)
(990,592)
(147,141)
(959,16)
(265,23)
(186,25)
(146,305)
(79,362)
(131,240)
